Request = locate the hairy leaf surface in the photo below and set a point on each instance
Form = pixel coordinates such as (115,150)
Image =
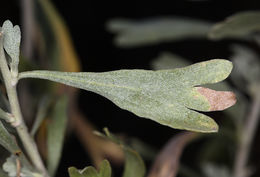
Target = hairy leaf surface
(169,97)
(12,39)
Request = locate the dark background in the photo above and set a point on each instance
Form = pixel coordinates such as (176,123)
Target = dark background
(86,21)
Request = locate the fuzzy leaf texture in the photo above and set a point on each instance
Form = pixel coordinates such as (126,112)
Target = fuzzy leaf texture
(10,167)
(236,26)
(169,97)
(12,40)
(105,171)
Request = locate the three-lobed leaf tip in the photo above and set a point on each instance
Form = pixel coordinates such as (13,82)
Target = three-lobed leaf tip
(169,97)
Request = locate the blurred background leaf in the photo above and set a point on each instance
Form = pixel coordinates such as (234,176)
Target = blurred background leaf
(238,26)
(132,33)
(168,60)
(104,171)
(211,170)
(134,165)
(7,140)
(247,67)
(56,134)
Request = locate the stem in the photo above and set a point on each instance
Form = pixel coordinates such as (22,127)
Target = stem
(10,84)
(248,132)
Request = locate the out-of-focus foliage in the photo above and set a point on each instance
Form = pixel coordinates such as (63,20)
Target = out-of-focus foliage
(134,165)
(10,167)
(56,134)
(247,70)
(156,30)
(211,170)
(2,173)
(168,159)
(104,171)
(238,26)
(63,54)
(41,113)
(7,140)
(167,60)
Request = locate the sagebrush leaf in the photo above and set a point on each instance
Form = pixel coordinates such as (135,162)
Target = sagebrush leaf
(12,40)
(236,26)
(10,167)
(169,97)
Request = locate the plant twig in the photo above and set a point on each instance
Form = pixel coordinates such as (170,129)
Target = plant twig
(10,84)
(18,168)
(247,135)
(166,163)
(97,147)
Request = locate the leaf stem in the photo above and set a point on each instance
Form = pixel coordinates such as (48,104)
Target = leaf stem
(10,84)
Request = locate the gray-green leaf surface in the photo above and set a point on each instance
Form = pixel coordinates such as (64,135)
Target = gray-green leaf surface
(10,167)
(169,97)
(132,33)
(12,39)
(167,60)
(237,26)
